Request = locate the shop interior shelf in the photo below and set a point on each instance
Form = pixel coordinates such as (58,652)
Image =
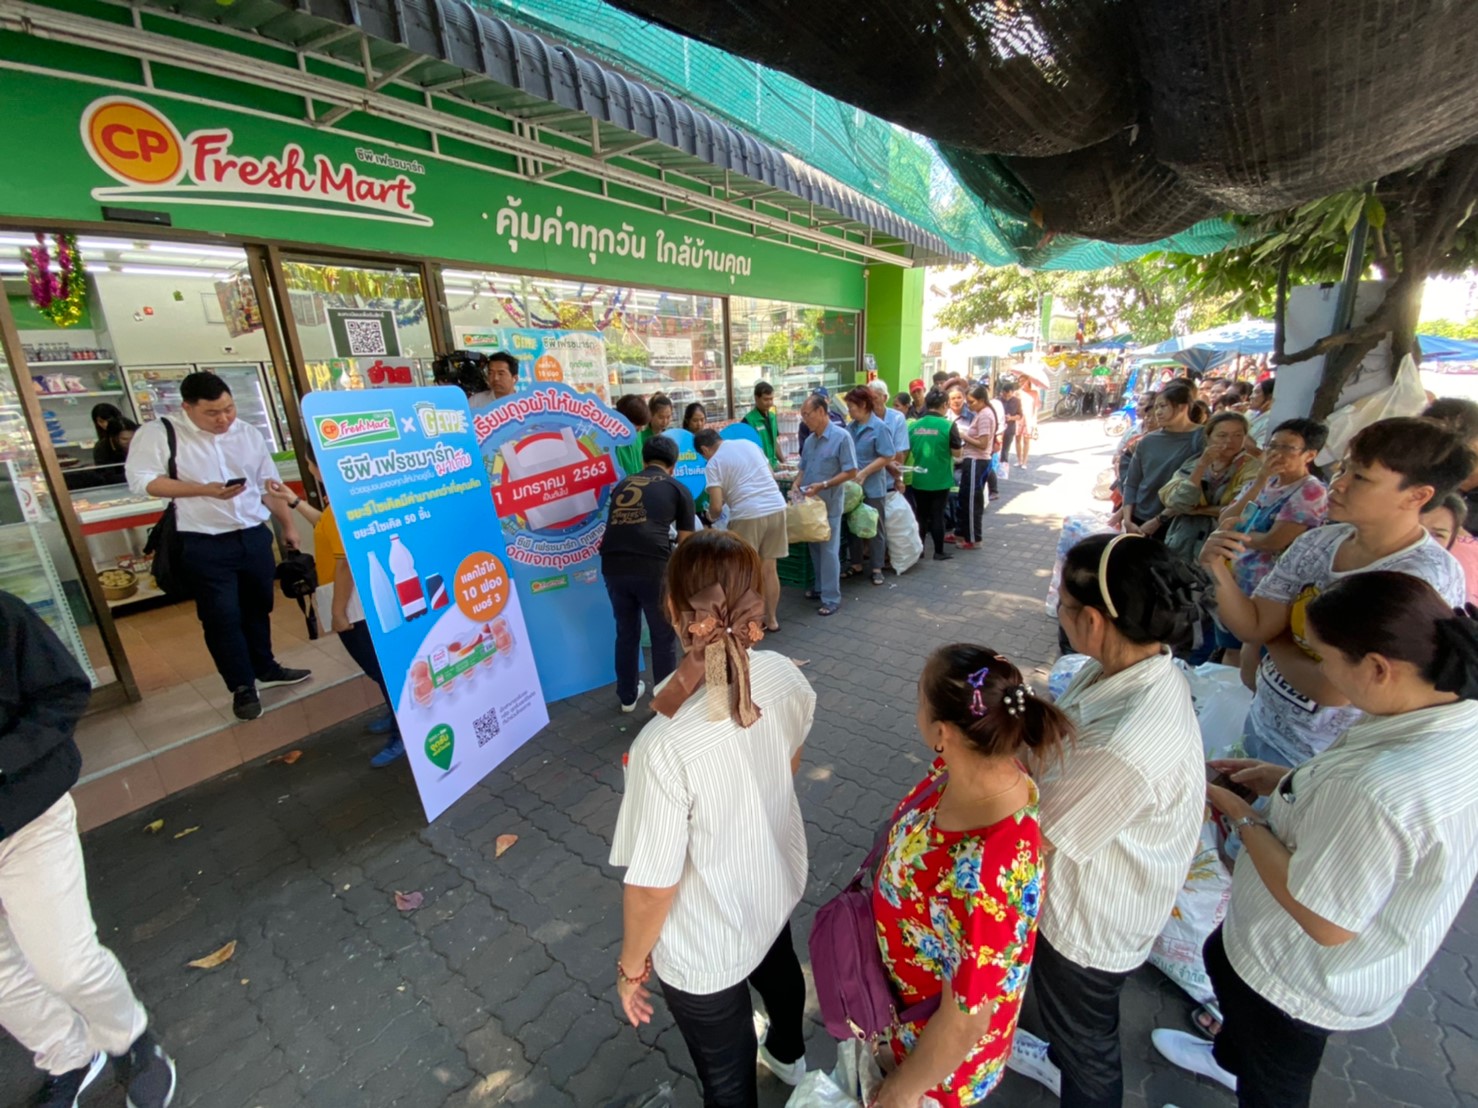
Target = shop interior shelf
(75,395)
(73,361)
(146,592)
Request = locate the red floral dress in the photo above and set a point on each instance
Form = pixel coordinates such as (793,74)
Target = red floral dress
(962,904)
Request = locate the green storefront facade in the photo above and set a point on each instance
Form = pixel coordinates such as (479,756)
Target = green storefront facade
(234,200)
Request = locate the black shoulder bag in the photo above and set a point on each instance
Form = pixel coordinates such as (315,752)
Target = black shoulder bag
(165,542)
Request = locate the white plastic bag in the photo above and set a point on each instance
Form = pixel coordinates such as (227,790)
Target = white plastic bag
(1200,906)
(901,528)
(853,1084)
(1221,702)
(1063,672)
(1404,396)
(1075,528)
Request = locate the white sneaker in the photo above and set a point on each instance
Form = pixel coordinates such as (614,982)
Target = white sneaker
(789,1072)
(1028,1057)
(1191,1053)
(641,688)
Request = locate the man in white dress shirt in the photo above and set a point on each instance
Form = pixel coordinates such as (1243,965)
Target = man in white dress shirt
(223,466)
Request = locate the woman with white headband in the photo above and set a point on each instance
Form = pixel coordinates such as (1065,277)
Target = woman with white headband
(1120,813)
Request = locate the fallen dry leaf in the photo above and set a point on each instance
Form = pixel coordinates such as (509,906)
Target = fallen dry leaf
(186,831)
(801,661)
(218,958)
(503,844)
(409,902)
(155,827)
(286,759)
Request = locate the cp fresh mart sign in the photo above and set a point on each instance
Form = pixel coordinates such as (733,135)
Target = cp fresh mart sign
(357,429)
(138,145)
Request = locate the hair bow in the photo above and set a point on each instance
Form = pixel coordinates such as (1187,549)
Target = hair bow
(717,637)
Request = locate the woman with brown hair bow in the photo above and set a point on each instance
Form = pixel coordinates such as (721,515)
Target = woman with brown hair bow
(710,831)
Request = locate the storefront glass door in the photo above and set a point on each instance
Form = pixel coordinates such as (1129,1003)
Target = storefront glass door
(359,327)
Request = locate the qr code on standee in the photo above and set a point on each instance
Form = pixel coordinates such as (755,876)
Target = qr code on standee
(366,338)
(486,726)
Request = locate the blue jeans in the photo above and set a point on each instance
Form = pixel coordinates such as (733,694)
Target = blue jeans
(826,561)
(631,597)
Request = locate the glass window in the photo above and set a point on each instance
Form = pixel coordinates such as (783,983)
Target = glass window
(360,327)
(796,347)
(651,341)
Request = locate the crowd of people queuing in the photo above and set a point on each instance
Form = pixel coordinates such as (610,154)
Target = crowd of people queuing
(1029,872)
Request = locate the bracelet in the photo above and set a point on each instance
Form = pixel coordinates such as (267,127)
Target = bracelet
(293,504)
(646,973)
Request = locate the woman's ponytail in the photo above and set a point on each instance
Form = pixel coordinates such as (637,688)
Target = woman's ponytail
(1455,667)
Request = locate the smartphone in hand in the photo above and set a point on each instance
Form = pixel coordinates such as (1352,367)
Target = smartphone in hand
(1221,780)
(235,482)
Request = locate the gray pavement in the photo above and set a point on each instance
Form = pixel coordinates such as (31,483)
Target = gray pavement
(498,990)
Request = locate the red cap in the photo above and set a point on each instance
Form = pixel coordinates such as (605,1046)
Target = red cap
(916,383)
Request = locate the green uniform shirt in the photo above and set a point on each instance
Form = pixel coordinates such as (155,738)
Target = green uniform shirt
(768,428)
(629,457)
(931,442)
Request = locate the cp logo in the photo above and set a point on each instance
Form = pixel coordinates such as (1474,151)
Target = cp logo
(133,141)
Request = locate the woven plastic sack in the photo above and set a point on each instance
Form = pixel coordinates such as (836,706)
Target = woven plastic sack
(851,497)
(853,1084)
(862,521)
(901,527)
(806,520)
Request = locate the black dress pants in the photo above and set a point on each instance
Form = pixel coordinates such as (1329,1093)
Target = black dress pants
(232,575)
(1076,1009)
(1274,1056)
(719,1027)
(930,505)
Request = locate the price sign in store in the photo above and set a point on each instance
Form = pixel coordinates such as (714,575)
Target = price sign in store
(411,496)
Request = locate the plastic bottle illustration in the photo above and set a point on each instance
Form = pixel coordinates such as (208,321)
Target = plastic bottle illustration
(387,605)
(407,584)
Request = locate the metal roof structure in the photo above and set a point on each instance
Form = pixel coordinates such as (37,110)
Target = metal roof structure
(568,113)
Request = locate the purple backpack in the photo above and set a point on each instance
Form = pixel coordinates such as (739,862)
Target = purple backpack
(852,984)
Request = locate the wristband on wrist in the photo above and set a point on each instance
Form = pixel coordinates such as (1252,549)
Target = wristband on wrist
(646,973)
(293,504)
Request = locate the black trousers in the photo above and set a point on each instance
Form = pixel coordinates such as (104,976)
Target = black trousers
(359,646)
(930,508)
(1008,436)
(631,597)
(1274,1056)
(719,1027)
(232,575)
(970,522)
(1076,1009)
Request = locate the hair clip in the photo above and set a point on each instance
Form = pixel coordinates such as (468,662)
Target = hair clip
(1015,700)
(976,681)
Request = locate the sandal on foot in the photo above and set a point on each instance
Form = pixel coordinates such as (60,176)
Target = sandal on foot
(812,594)
(1207,1021)
(851,571)
(825,611)
(877,577)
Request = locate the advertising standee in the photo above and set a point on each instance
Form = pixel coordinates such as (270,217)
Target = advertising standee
(416,516)
(548,452)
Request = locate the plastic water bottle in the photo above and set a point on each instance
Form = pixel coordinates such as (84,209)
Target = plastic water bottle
(387,604)
(407,583)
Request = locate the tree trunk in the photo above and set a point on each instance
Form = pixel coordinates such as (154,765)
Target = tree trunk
(1401,305)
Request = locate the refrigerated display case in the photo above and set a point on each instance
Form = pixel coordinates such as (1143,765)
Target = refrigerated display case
(155,391)
(35,563)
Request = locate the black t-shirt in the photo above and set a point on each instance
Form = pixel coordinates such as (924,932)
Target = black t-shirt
(1012,406)
(1471,523)
(639,523)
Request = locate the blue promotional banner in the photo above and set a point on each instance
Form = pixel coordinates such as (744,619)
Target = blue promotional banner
(574,358)
(410,495)
(691,470)
(549,455)
(742,432)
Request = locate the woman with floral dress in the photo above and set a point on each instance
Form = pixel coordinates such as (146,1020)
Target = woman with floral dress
(959,886)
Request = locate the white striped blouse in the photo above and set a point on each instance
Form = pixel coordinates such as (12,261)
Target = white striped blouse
(711,808)
(1383,827)
(1123,812)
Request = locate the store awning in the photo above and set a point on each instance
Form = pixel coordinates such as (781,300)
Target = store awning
(570,114)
